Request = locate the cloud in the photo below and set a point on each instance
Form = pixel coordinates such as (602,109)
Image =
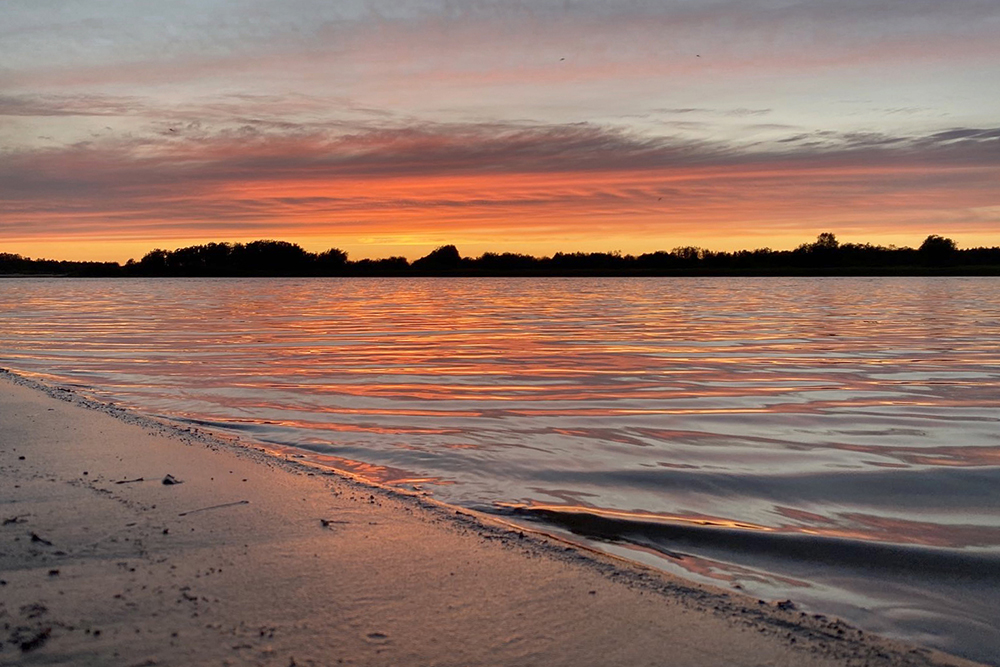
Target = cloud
(962,134)
(283,181)
(738,112)
(278,110)
(69,105)
(275,151)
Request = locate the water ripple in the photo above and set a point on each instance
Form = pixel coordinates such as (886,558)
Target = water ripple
(832,440)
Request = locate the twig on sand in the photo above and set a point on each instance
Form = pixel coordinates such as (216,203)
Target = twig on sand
(215,507)
(35,640)
(130,481)
(15,519)
(36,538)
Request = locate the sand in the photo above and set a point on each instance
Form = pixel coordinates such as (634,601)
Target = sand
(257,560)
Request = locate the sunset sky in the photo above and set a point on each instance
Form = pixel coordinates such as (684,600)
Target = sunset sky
(389,128)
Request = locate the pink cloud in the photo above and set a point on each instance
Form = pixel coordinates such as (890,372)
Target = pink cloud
(494,180)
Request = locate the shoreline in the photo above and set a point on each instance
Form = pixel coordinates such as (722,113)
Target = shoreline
(972,271)
(260,559)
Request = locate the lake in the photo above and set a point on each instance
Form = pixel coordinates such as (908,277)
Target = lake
(834,441)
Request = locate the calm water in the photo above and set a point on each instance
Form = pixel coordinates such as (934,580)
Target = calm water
(832,441)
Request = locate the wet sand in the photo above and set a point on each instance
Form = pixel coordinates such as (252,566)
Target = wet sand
(253,559)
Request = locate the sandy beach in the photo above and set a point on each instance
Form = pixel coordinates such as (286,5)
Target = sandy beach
(254,559)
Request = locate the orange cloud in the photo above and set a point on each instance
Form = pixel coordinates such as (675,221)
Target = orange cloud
(500,187)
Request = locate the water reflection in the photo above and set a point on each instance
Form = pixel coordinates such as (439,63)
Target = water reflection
(802,411)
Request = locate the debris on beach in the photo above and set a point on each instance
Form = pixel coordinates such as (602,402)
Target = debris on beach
(170,479)
(215,507)
(35,610)
(28,640)
(130,481)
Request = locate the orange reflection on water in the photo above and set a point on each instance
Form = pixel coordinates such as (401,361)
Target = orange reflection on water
(367,472)
(718,571)
(904,531)
(717,522)
(763,424)
(853,526)
(948,456)
(595,390)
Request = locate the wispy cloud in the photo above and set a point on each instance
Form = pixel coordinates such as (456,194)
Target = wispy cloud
(739,112)
(69,105)
(472,177)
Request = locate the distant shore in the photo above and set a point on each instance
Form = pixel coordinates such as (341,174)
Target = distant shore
(847,272)
(131,541)
(936,256)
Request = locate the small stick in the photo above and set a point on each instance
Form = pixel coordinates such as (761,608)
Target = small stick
(130,481)
(215,507)
(36,538)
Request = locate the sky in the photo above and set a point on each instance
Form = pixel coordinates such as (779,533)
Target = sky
(391,128)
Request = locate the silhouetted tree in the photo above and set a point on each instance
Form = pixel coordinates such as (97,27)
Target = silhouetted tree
(153,263)
(937,250)
(387,266)
(822,253)
(12,263)
(506,263)
(825,256)
(331,262)
(688,256)
(826,241)
(444,258)
(275,257)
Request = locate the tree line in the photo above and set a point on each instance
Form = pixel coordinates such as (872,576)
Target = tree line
(825,256)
